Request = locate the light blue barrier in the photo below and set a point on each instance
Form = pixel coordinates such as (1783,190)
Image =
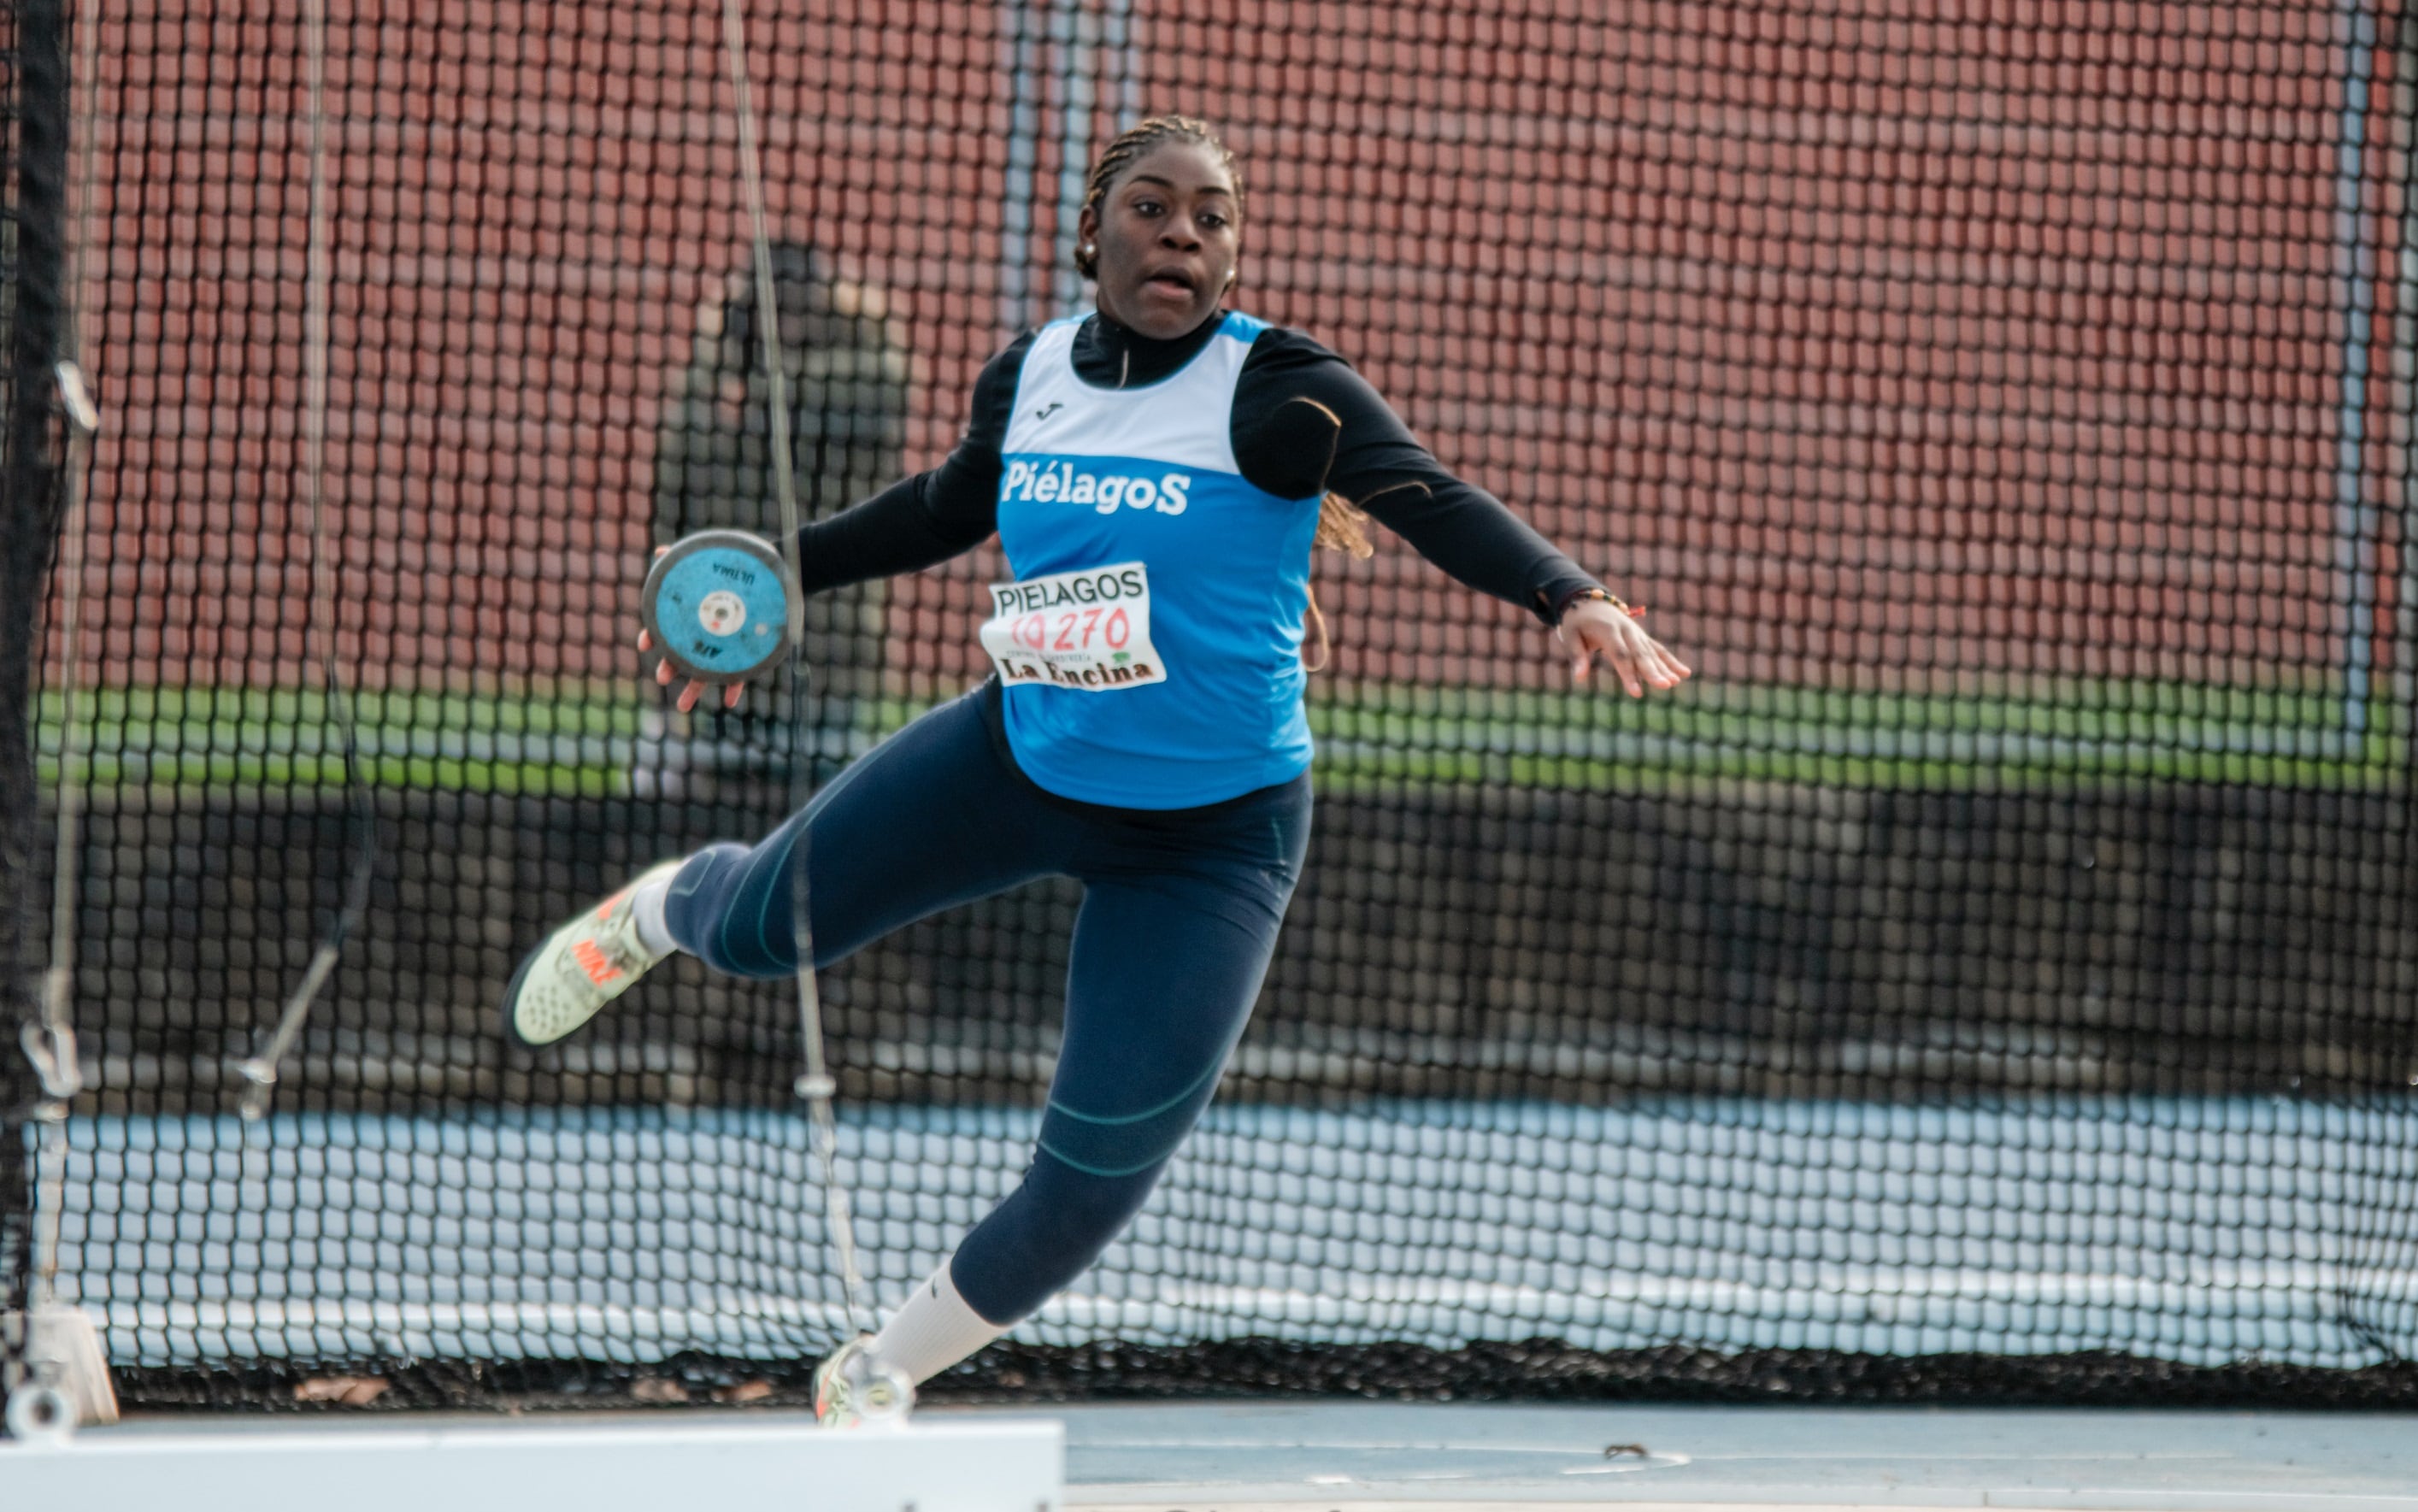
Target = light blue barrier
(2197,1231)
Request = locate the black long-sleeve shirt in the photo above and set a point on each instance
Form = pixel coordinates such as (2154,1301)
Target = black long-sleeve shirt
(1303,421)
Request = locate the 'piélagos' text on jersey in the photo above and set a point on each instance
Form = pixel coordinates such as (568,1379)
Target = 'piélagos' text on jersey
(1151,644)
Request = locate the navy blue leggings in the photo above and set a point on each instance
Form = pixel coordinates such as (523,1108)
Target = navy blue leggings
(1180,912)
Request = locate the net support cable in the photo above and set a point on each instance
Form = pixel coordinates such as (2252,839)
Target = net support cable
(817,1086)
(66,1381)
(260,1071)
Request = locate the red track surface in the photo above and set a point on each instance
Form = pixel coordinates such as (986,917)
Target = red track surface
(1894,336)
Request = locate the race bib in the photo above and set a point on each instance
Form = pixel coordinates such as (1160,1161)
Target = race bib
(1088,630)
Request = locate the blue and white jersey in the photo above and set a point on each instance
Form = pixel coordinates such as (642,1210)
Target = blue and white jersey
(1151,643)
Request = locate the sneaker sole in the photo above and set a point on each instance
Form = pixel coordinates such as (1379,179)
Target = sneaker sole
(512,997)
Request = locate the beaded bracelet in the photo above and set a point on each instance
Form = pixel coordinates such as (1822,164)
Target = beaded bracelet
(1596,593)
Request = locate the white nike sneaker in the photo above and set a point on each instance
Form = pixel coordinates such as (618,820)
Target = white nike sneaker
(852,1388)
(583,966)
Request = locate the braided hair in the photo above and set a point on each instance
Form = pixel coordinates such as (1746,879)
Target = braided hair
(1340,525)
(1139,142)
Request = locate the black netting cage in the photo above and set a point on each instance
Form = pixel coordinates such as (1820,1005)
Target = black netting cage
(1994,977)
(34,131)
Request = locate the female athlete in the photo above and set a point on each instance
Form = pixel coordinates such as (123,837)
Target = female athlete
(1157,473)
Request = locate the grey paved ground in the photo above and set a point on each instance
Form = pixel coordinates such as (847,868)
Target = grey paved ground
(1201,1457)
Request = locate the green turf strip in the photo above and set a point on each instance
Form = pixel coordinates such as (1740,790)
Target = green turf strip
(2043,736)
(588,742)
(283,737)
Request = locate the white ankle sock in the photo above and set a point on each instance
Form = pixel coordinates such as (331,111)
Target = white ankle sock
(647,914)
(933,1330)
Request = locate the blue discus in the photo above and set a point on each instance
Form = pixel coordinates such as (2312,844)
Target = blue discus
(720,606)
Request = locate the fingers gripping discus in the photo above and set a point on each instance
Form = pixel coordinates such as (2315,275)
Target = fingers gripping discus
(720,606)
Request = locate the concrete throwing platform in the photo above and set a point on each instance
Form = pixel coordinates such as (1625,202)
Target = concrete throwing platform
(500,1464)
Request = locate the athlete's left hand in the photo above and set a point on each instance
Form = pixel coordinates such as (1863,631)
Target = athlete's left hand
(1591,628)
(697,686)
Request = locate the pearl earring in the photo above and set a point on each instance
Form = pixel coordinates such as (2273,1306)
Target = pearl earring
(1091,251)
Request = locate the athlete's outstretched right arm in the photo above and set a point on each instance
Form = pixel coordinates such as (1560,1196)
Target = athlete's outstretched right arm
(913,524)
(921,521)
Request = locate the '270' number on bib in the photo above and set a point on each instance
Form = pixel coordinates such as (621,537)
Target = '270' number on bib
(1067,631)
(1088,631)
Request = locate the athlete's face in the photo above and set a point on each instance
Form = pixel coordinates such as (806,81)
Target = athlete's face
(1168,232)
